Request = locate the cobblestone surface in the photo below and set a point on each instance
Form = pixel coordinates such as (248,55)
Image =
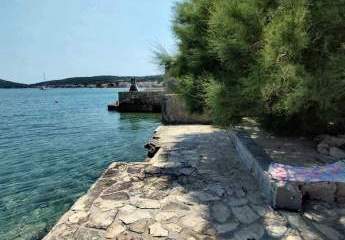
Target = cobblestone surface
(194,188)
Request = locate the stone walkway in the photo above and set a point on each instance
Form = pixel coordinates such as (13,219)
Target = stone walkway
(194,188)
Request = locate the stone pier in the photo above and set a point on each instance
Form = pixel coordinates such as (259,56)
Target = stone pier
(138,102)
(193,188)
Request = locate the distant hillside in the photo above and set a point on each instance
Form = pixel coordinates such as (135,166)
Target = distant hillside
(8,84)
(95,80)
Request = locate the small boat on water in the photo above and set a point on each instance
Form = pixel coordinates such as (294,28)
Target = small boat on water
(44,80)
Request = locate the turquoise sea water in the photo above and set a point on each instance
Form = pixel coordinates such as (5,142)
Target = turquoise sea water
(53,145)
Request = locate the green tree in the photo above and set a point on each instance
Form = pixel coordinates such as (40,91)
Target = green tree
(281,61)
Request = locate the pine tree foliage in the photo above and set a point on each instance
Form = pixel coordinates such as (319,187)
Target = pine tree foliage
(281,61)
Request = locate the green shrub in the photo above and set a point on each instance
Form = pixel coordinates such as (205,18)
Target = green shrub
(281,61)
(301,58)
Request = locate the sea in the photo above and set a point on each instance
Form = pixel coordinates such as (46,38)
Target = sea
(54,144)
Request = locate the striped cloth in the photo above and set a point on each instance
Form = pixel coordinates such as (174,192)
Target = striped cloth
(328,173)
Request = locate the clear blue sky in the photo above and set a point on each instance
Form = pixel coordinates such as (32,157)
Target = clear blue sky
(66,38)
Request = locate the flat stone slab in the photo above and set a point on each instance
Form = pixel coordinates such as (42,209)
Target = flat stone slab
(193,188)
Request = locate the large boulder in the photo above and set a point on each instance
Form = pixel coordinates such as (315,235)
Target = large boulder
(337,153)
(331,145)
(332,141)
(323,148)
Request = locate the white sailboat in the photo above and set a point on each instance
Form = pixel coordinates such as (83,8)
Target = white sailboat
(44,80)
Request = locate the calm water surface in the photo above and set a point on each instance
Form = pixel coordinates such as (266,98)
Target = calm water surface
(53,145)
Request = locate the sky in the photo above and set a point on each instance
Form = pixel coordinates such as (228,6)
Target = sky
(67,38)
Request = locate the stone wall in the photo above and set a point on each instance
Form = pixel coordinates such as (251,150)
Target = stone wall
(288,194)
(282,195)
(174,111)
(140,101)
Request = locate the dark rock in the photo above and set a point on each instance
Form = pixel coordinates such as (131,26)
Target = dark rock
(323,148)
(333,141)
(337,153)
(152,147)
(340,193)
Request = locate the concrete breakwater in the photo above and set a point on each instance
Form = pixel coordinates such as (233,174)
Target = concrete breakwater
(193,188)
(173,108)
(138,102)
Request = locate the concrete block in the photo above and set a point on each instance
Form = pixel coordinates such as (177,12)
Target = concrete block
(286,196)
(138,102)
(324,191)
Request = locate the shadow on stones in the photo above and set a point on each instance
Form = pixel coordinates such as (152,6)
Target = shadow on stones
(222,201)
(193,188)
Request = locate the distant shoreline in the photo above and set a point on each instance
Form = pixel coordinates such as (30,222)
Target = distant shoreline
(89,82)
(156,85)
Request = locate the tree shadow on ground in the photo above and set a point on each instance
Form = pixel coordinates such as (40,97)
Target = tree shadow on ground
(221,200)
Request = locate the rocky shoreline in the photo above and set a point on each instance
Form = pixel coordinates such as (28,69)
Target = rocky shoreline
(193,188)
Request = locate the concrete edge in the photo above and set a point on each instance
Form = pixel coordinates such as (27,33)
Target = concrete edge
(282,194)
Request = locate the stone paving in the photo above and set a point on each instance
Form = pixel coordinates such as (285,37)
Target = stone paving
(194,188)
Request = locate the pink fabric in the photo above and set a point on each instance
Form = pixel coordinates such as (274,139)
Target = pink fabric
(329,173)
